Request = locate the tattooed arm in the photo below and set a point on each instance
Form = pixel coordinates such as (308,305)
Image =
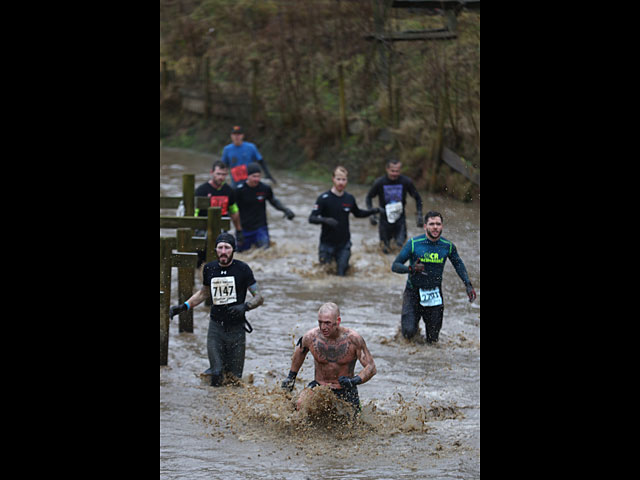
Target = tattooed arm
(300,353)
(365,357)
(257,299)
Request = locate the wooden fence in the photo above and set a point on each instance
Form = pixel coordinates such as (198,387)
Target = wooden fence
(182,250)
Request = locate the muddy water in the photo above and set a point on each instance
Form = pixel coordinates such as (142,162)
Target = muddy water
(421,412)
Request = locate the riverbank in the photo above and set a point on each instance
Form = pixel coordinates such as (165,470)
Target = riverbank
(313,90)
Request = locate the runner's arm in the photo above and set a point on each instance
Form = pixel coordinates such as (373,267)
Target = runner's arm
(362,213)
(316,216)
(373,191)
(234,213)
(398,265)
(413,191)
(267,174)
(366,359)
(458,264)
(300,353)
(200,296)
(257,299)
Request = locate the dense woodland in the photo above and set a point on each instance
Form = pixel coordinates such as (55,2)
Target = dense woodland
(317,83)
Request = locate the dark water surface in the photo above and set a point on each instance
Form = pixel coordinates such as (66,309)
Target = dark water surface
(421,412)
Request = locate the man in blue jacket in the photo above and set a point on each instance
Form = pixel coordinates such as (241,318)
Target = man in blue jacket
(239,154)
(422,296)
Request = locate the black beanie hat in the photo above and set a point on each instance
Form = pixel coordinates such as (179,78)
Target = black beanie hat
(226,237)
(253,167)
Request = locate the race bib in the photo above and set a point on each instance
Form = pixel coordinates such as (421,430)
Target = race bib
(430,298)
(239,173)
(394,211)
(223,290)
(222,202)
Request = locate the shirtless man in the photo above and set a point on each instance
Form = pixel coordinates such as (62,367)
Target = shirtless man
(335,350)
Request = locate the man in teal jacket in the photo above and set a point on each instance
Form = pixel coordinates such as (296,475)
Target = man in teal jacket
(422,295)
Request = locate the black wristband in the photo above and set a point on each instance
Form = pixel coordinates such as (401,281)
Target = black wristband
(292,374)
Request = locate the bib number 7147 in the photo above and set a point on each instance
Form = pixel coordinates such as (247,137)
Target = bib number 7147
(223,290)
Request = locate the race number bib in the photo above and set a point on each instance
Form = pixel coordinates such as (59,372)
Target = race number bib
(393,211)
(239,173)
(222,202)
(430,298)
(223,290)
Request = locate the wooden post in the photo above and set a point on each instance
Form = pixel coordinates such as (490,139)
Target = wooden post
(436,147)
(254,91)
(164,332)
(188,193)
(185,280)
(165,80)
(214,227)
(165,299)
(207,94)
(390,83)
(451,20)
(396,116)
(343,109)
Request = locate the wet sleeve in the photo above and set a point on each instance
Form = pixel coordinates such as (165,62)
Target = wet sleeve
(315,216)
(361,213)
(398,265)
(373,191)
(233,205)
(256,154)
(413,191)
(458,264)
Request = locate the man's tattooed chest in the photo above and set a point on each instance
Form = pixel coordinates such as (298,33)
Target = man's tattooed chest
(332,352)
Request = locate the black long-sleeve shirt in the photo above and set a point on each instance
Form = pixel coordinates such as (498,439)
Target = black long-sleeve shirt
(330,205)
(389,191)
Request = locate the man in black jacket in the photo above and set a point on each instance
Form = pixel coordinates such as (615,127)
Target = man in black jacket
(391,190)
(251,197)
(331,210)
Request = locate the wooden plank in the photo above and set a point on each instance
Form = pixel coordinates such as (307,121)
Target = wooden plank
(170,202)
(439,34)
(167,221)
(201,203)
(184,259)
(439,4)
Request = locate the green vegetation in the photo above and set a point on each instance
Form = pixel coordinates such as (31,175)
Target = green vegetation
(273,67)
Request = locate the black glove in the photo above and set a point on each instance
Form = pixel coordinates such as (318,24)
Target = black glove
(418,267)
(289,214)
(349,382)
(419,220)
(177,310)
(330,222)
(236,312)
(373,220)
(289,382)
(239,237)
(471,293)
